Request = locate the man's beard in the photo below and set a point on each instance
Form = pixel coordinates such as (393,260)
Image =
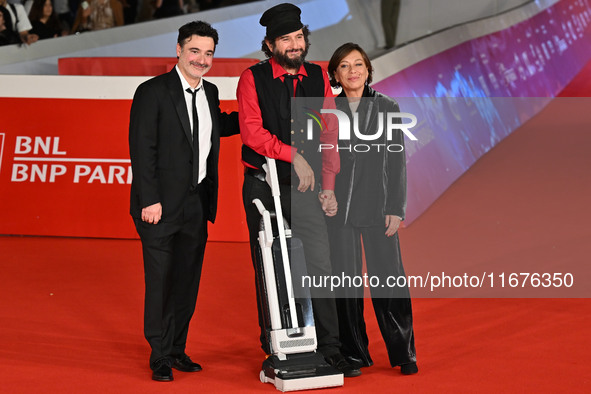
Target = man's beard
(292,63)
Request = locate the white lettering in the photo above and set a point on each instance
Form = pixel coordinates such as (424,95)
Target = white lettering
(400,148)
(402,126)
(19,173)
(344,123)
(80,171)
(56,147)
(116,172)
(368,137)
(23,145)
(47,145)
(39,171)
(325,146)
(97,174)
(55,171)
(309,132)
(43,145)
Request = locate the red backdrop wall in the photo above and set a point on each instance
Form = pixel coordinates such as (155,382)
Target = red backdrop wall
(65,171)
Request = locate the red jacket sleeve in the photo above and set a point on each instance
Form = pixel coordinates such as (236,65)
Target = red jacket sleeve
(252,132)
(331,163)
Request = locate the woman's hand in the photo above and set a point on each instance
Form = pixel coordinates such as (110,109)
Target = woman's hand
(392,224)
(329,202)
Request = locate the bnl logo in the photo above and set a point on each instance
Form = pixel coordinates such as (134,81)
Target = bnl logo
(387,123)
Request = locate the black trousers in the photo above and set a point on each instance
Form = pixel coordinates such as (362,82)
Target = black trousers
(303,212)
(391,304)
(173,258)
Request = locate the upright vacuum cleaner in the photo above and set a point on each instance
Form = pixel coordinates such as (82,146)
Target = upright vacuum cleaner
(294,363)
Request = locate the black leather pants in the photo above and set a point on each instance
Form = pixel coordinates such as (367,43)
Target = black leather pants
(392,304)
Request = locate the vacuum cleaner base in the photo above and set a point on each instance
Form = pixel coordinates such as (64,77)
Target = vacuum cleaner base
(301,371)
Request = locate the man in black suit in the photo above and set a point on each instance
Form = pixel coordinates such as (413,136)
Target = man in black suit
(174,190)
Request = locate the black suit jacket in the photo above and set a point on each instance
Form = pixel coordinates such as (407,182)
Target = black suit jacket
(161,150)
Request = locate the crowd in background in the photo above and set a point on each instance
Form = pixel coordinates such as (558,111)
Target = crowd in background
(27,21)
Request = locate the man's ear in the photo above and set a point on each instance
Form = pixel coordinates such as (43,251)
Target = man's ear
(269,45)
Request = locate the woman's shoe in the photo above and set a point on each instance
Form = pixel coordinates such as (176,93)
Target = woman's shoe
(409,369)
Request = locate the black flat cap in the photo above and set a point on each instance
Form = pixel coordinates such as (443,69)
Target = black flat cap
(282,19)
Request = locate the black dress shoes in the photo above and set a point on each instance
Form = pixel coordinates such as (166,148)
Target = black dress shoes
(185,364)
(357,363)
(161,371)
(338,361)
(409,369)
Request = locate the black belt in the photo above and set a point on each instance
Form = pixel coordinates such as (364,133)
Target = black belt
(261,175)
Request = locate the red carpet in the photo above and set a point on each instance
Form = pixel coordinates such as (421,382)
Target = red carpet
(71,309)
(72,322)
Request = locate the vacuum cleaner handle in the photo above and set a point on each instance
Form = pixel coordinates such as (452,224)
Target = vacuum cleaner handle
(273,180)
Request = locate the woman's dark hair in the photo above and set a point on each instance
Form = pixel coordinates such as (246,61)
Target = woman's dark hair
(269,53)
(339,54)
(36,14)
(199,28)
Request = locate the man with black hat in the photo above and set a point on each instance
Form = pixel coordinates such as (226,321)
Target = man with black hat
(264,93)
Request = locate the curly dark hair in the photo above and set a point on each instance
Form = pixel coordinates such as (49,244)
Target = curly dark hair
(269,53)
(198,28)
(339,54)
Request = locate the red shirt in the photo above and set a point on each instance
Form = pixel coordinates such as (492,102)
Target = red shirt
(259,139)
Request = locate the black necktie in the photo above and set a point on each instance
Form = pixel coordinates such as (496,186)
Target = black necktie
(195,180)
(288,81)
